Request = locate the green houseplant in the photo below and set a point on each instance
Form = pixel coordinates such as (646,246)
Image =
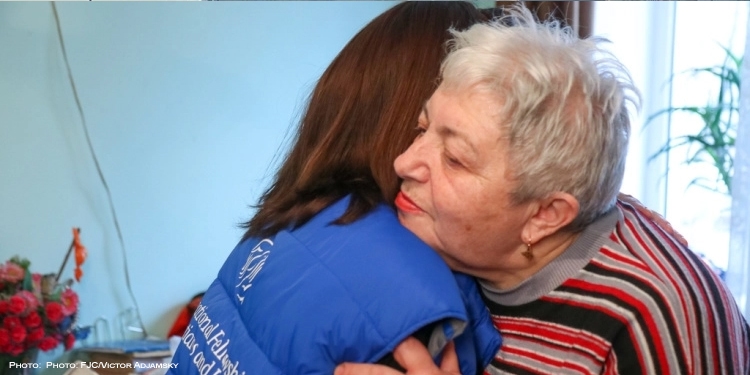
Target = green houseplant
(714,143)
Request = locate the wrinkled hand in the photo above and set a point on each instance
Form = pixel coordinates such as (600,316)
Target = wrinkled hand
(411,355)
(653,216)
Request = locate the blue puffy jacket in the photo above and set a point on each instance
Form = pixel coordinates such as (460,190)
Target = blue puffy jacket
(311,298)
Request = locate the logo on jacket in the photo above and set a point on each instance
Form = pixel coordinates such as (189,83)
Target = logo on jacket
(252,267)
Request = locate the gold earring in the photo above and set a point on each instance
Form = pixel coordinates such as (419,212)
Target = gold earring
(527,253)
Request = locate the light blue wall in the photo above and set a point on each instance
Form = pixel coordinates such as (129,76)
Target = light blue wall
(186,103)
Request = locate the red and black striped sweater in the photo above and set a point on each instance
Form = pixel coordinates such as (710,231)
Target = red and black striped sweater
(625,298)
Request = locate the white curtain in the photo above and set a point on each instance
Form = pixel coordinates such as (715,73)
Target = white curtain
(738,272)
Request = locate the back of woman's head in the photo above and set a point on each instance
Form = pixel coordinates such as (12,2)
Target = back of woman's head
(361,115)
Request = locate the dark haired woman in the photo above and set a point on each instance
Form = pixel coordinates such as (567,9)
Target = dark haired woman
(325,273)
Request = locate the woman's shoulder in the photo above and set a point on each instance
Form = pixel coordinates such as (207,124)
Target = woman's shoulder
(371,250)
(379,229)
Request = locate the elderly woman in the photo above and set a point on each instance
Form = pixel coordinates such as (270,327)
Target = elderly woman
(514,178)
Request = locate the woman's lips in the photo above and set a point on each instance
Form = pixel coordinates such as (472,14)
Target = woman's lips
(404,204)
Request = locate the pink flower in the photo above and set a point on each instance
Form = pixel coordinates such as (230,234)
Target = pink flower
(36,282)
(12,272)
(30,299)
(17,304)
(4,306)
(54,312)
(32,320)
(17,334)
(69,300)
(48,343)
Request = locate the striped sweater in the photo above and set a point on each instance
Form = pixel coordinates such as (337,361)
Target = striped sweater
(625,298)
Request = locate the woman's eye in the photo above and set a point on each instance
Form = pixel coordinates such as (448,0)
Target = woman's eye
(420,129)
(453,162)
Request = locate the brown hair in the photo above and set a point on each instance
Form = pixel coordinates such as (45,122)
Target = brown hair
(360,116)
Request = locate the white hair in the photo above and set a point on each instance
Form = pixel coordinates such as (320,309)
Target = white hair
(562,103)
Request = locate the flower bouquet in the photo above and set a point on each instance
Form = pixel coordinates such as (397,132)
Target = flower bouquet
(36,311)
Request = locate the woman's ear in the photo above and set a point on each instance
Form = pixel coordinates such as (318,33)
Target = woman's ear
(551,214)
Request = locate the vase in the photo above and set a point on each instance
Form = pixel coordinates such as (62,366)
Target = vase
(22,364)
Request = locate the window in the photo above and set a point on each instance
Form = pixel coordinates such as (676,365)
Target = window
(657,41)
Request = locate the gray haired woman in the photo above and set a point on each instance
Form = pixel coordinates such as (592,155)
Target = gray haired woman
(514,180)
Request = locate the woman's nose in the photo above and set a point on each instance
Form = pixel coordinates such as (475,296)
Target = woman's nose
(411,164)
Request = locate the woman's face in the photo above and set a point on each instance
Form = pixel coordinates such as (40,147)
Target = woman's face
(455,190)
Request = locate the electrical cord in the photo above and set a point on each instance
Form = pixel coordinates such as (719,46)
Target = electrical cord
(98,170)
